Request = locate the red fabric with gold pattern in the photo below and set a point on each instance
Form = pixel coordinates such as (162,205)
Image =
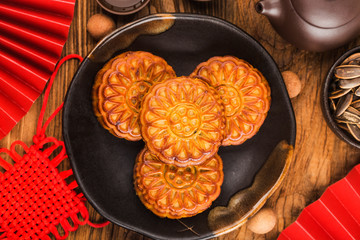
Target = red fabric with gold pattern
(34,197)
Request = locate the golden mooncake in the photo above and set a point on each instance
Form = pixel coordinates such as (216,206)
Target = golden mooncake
(245,94)
(182,121)
(177,192)
(119,88)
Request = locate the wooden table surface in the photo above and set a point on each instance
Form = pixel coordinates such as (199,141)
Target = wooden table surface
(320,158)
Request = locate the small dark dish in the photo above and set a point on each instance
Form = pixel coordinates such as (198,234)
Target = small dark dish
(122,7)
(103,164)
(325,103)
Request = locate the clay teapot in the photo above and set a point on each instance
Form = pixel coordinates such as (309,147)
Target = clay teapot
(316,25)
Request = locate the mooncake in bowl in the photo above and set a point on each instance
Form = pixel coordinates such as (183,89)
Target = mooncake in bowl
(177,192)
(120,86)
(245,94)
(182,121)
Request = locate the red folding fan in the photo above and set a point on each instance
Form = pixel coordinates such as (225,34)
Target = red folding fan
(32,35)
(336,215)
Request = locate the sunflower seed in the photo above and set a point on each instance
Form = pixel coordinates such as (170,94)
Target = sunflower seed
(354,130)
(349,83)
(353,110)
(338,93)
(353,57)
(348,117)
(356,104)
(332,105)
(344,121)
(343,104)
(343,126)
(355,62)
(347,71)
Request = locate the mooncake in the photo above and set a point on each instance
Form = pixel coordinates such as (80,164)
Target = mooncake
(177,192)
(245,94)
(182,121)
(119,88)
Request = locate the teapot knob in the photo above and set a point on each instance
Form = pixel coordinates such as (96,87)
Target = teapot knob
(259,7)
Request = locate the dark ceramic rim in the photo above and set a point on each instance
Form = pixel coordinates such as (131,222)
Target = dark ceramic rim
(184,16)
(325,105)
(123,11)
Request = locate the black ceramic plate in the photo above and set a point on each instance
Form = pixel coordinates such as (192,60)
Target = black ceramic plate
(103,164)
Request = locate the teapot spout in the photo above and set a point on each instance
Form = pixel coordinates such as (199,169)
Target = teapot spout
(269,8)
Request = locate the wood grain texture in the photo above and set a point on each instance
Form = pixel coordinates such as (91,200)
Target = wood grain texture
(320,157)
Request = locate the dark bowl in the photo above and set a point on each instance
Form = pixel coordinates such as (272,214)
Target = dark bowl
(103,164)
(325,104)
(123,7)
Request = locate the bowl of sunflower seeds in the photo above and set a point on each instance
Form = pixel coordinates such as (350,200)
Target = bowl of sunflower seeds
(340,98)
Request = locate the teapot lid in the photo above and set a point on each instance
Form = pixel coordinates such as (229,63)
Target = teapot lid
(327,13)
